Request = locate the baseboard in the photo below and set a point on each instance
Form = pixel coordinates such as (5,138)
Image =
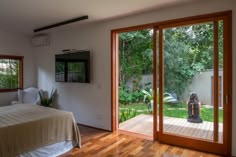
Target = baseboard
(93,127)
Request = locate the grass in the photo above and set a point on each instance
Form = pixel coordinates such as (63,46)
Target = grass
(175,110)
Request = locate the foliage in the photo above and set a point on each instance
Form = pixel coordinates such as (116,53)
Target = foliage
(9,73)
(169,98)
(139,107)
(135,55)
(137,96)
(176,110)
(127,113)
(148,95)
(207,114)
(127,96)
(47,101)
(187,51)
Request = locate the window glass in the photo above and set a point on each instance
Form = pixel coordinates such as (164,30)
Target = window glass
(10,73)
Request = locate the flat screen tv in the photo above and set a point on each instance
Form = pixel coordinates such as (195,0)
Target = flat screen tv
(73,67)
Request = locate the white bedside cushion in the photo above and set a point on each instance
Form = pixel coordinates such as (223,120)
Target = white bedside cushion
(30,95)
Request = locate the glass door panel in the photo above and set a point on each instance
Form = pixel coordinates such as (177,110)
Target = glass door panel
(193,62)
(220,81)
(188,69)
(157,78)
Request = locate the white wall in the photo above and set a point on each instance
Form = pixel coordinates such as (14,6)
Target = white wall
(202,85)
(91,103)
(17,44)
(146,78)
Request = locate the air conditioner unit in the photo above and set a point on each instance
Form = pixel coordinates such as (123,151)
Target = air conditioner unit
(40,40)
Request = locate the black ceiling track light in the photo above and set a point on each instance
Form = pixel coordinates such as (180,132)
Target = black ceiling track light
(61,23)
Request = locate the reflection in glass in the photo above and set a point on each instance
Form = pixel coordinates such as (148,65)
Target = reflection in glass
(76,72)
(60,71)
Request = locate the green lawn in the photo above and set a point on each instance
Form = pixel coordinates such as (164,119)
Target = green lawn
(170,110)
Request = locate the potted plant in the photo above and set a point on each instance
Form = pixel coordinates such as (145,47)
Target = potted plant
(47,101)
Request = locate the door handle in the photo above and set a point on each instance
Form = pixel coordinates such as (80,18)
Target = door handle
(227,99)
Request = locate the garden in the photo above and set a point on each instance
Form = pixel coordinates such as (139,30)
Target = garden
(9,78)
(177,111)
(187,51)
(135,103)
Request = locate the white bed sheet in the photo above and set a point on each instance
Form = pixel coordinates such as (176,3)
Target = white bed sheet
(53,150)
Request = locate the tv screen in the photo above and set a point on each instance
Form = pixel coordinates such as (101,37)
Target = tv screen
(73,67)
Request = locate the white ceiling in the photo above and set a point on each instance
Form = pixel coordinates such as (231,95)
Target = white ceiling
(25,15)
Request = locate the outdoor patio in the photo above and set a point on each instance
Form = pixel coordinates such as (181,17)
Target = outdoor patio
(143,124)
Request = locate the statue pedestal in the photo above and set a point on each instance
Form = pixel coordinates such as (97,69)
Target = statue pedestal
(195,119)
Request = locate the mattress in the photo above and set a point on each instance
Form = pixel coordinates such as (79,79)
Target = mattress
(27,127)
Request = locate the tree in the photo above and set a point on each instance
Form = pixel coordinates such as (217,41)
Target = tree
(187,51)
(135,55)
(9,73)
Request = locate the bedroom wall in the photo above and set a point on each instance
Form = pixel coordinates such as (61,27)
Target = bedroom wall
(18,44)
(90,103)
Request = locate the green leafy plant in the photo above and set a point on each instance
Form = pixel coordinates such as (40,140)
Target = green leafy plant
(125,96)
(187,51)
(47,101)
(135,55)
(148,98)
(167,97)
(127,113)
(148,95)
(137,96)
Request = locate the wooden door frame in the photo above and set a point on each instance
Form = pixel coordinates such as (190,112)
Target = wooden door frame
(219,89)
(177,140)
(200,144)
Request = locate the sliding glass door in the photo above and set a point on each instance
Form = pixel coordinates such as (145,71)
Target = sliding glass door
(191,90)
(192,66)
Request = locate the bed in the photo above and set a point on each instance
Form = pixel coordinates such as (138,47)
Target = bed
(28,130)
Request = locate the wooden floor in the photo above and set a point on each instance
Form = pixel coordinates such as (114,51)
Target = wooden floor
(97,143)
(143,124)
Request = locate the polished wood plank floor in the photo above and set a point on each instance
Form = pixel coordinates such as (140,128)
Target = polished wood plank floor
(143,124)
(98,143)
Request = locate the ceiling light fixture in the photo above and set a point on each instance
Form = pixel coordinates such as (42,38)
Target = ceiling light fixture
(61,23)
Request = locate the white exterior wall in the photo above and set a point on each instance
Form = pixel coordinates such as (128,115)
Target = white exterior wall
(91,103)
(144,80)
(202,85)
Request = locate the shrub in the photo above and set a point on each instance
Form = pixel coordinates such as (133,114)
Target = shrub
(137,96)
(126,114)
(125,97)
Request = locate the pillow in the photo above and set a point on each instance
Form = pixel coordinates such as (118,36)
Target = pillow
(30,95)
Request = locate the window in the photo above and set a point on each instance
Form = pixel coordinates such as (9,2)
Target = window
(11,73)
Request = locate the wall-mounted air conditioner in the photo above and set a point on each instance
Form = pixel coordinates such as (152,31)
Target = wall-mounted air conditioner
(40,40)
